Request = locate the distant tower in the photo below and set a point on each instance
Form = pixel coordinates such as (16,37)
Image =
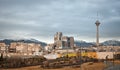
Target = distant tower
(97,32)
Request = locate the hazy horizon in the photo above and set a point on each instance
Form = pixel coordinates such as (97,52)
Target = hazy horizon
(41,19)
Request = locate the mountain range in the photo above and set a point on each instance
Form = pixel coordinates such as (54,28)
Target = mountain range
(8,41)
(83,43)
(105,43)
(77,43)
(111,43)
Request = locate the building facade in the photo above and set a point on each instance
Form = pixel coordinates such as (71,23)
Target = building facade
(61,42)
(2,47)
(24,48)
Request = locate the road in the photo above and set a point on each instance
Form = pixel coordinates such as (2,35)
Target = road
(115,67)
(112,66)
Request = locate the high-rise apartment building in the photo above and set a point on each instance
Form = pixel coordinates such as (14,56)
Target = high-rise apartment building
(58,36)
(61,41)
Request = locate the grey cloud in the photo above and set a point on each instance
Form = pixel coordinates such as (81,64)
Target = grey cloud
(42,18)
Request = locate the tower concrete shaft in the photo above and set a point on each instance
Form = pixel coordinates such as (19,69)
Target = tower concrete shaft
(97,33)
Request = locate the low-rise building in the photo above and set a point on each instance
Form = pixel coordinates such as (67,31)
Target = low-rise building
(3,47)
(24,48)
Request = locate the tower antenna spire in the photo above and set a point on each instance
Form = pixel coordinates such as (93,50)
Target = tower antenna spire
(97,16)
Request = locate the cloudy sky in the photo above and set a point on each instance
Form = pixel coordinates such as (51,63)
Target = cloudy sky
(41,19)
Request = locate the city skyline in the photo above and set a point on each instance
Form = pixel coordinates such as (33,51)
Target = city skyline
(41,19)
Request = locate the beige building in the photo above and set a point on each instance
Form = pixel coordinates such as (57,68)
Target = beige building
(2,47)
(24,48)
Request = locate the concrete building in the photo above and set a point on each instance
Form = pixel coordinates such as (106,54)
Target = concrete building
(61,41)
(48,48)
(24,48)
(68,41)
(2,47)
(58,36)
(58,44)
(16,47)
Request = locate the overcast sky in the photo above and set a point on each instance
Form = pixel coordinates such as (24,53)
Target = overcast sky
(41,19)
